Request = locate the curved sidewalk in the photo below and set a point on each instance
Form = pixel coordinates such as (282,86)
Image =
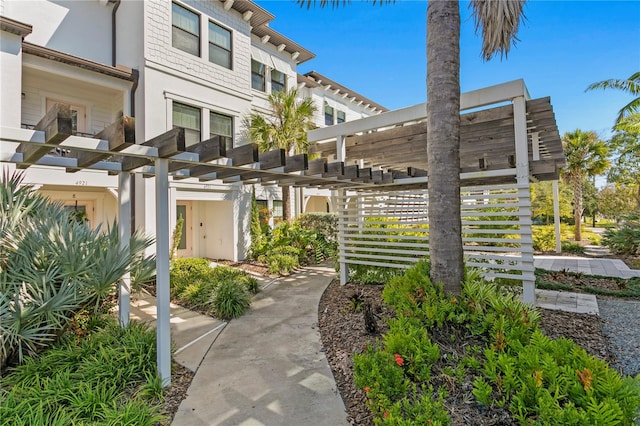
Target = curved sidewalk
(267,367)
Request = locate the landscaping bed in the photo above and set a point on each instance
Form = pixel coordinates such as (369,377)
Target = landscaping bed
(343,335)
(593,284)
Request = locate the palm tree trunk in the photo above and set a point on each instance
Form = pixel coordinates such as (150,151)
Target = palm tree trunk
(286,203)
(443,143)
(577,206)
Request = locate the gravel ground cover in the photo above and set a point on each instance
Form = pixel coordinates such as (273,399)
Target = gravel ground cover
(621,325)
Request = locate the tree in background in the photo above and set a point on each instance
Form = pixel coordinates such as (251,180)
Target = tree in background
(498,21)
(286,129)
(590,200)
(628,118)
(626,163)
(542,200)
(615,201)
(586,157)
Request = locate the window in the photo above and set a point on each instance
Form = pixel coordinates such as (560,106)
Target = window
(328,114)
(188,117)
(263,212)
(340,118)
(185,29)
(219,45)
(277,211)
(257,75)
(278,81)
(221,126)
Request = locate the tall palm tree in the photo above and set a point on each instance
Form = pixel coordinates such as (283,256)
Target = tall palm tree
(499,21)
(587,156)
(628,118)
(286,129)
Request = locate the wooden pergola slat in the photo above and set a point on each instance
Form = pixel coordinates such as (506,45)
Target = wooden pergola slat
(120,135)
(56,125)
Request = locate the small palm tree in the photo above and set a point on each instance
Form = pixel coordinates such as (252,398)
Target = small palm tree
(498,21)
(628,118)
(587,156)
(285,129)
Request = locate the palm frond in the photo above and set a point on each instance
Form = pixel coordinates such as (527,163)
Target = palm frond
(499,21)
(630,85)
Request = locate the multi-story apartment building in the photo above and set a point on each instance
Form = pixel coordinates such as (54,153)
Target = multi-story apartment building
(198,64)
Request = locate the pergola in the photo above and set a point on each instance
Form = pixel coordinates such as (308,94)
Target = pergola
(393,161)
(507,141)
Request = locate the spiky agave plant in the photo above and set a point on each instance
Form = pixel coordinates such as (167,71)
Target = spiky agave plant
(51,266)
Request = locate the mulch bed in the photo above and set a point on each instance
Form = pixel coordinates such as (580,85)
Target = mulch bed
(578,281)
(343,335)
(246,265)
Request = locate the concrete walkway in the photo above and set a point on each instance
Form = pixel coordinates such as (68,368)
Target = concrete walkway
(586,265)
(267,367)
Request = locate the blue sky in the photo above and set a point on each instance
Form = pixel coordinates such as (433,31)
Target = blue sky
(380,52)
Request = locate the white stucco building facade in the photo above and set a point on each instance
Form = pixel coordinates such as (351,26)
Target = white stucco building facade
(203,65)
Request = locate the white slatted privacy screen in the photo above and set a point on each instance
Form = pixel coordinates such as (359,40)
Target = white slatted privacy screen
(391,229)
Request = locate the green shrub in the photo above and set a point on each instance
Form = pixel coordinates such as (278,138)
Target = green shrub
(324,223)
(230,299)
(100,379)
(250,284)
(189,276)
(196,285)
(538,379)
(594,239)
(51,267)
(300,239)
(571,247)
(544,237)
(625,239)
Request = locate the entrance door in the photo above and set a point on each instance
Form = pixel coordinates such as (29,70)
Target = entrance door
(185,247)
(81,210)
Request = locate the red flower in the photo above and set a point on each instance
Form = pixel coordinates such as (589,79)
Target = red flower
(367,389)
(399,360)
(385,414)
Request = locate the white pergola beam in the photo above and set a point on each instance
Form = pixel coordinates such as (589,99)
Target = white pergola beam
(474,99)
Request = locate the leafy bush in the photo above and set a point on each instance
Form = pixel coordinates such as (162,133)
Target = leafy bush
(323,223)
(293,244)
(571,247)
(544,237)
(221,291)
(625,239)
(515,366)
(230,300)
(102,379)
(52,266)
(282,260)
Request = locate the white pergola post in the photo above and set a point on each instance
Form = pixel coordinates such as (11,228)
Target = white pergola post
(163,327)
(524,199)
(556,214)
(124,233)
(341,154)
